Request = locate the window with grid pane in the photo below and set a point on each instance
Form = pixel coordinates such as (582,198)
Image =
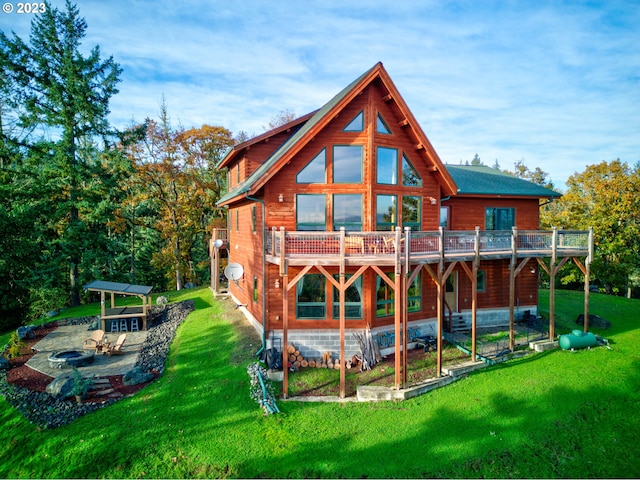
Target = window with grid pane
(387,165)
(500,218)
(311,297)
(352,299)
(347,212)
(347,164)
(355,125)
(315,171)
(311,212)
(381,126)
(411,207)
(410,177)
(386,212)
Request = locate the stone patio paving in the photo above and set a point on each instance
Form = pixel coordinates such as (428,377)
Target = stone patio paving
(71,337)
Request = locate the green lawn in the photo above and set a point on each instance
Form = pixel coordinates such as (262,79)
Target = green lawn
(553,414)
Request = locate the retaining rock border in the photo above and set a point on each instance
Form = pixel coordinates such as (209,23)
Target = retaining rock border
(47,411)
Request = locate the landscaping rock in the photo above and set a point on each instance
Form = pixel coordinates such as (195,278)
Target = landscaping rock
(50,410)
(60,386)
(25,333)
(162,300)
(4,364)
(594,321)
(136,376)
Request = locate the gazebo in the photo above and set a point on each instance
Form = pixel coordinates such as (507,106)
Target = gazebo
(120,314)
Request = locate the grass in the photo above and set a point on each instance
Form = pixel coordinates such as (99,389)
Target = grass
(421,366)
(553,414)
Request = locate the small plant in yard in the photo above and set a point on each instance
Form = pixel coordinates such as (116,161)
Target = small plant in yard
(15,345)
(261,390)
(81,384)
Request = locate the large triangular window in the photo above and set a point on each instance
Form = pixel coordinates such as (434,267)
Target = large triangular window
(355,125)
(315,171)
(381,126)
(410,177)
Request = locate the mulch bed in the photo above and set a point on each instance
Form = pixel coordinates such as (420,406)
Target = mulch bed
(24,376)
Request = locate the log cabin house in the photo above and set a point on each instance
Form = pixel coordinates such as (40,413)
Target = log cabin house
(346,219)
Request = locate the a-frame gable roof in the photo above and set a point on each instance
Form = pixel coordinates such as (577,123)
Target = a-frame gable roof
(238,149)
(318,120)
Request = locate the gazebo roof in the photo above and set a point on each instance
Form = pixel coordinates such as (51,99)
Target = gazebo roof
(116,287)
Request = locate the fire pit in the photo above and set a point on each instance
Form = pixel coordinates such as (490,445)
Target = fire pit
(70,358)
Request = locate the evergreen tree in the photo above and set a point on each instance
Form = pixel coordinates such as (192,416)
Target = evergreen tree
(64,95)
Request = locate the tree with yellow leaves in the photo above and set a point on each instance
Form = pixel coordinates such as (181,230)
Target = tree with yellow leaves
(175,173)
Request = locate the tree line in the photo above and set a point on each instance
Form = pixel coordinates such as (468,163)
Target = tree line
(81,200)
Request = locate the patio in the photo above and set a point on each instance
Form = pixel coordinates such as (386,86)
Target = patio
(71,337)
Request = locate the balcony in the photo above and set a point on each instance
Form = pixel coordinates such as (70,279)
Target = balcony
(398,247)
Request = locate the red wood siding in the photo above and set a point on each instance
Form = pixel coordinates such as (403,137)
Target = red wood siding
(370,101)
(465,213)
(245,246)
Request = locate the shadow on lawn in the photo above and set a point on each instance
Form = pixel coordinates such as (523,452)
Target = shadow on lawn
(531,437)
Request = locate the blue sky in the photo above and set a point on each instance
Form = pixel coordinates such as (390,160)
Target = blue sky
(555,84)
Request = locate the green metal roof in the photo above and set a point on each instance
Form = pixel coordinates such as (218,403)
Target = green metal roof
(483,180)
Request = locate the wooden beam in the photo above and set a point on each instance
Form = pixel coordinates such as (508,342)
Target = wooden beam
(388,97)
(343,367)
(403,123)
(285,336)
(297,278)
(472,274)
(397,315)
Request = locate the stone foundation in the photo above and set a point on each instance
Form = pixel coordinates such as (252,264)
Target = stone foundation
(313,343)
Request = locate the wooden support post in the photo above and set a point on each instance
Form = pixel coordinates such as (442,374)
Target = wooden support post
(215,269)
(397,331)
(343,388)
(474,296)
(397,306)
(285,335)
(512,287)
(472,274)
(283,258)
(587,279)
(440,302)
(439,311)
(405,303)
(103,310)
(552,284)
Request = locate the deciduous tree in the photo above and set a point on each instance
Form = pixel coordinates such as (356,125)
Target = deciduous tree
(175,170)
(606,196)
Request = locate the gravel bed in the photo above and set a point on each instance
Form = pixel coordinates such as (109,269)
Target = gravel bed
(47,411)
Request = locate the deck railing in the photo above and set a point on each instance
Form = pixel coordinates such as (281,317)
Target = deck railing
(446,243)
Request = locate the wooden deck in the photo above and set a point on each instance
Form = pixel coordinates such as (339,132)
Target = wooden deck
(443,246)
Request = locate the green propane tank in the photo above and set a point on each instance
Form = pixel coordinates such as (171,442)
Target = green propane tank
(577,339)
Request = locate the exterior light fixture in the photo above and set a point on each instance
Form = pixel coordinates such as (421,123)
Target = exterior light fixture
(277,284)
(281,198)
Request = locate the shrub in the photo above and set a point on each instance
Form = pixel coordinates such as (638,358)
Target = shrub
(14,346)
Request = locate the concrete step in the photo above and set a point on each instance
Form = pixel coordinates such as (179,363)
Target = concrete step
(543,345)
(463,368)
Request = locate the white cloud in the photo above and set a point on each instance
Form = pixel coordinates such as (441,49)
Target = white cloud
(554,83)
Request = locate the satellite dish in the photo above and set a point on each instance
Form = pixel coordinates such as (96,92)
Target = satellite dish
(218,243)
(234,271)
